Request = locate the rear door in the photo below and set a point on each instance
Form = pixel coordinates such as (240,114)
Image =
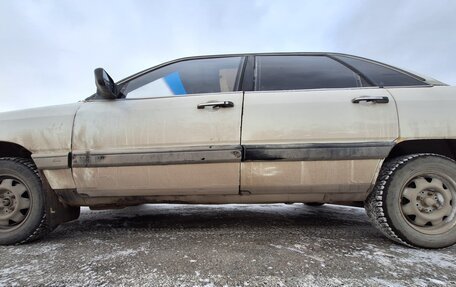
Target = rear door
(314,126)
(177,132)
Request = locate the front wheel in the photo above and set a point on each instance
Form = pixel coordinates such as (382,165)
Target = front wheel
(414,201)
(22,202)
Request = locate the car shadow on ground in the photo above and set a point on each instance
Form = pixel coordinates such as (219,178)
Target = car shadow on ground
(264,218)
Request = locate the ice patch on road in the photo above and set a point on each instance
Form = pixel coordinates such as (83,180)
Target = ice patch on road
(438,282)
(386,283)
(426,257)
(403,259)
(35,249)
(298,251)
(119,253)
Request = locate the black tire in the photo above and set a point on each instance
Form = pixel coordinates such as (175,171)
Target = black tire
(314,204)
(18,174)
(414,201)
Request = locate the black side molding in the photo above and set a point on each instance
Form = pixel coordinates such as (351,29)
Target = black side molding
(320,151)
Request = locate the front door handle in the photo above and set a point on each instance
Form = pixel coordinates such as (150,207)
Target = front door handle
(215,105)
(372,99)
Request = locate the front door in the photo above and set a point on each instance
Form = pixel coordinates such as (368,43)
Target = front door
(176,132)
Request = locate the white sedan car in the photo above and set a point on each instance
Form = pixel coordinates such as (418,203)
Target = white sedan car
(253,128)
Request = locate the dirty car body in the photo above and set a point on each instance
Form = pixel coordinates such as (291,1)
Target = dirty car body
(251,128)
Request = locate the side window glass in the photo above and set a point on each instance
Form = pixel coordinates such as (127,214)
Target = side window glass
(302,72)
(187,77)
(380,75)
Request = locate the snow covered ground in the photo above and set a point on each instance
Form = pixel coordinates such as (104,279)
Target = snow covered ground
(226,245)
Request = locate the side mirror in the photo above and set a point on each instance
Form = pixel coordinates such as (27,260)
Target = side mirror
(106,88)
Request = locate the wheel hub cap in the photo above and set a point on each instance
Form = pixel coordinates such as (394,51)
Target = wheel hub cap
(6,202)
(430,202)
(7,199)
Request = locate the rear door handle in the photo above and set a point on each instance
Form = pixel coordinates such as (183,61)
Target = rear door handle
(215,105)
(372,99)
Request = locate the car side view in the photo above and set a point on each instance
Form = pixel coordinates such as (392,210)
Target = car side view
(309,128)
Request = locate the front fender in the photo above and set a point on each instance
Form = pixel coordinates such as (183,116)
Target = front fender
(42,131)
(47,134)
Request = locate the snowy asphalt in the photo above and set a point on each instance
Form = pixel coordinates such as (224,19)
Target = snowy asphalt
(227,245)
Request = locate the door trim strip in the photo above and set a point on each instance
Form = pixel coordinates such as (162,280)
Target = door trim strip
(209,154)
(218,154)
(318,151)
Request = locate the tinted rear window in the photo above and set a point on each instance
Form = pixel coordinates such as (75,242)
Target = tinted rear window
(381,75)
(302,72)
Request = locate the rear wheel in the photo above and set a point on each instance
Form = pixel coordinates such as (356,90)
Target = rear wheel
(22,202)
(414,201)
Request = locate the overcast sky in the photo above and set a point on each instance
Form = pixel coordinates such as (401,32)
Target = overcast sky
(48,49)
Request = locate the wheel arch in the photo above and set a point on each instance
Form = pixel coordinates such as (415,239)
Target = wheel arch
(444,147)
(14,150)
(10,149)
